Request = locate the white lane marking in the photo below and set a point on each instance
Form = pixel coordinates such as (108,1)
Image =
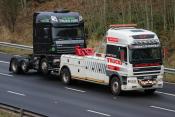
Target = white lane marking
(5,62)
(161,108)
(170,94)
(75,89)
(12,92)
(6,75)
(92,111)
(169,83)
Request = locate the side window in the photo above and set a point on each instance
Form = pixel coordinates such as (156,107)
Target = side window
(43,32)
(117,52)
(112,51)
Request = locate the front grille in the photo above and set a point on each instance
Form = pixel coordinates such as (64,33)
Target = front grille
(146,70)
(66,49)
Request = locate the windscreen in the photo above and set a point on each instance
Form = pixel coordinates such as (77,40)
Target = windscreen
(66,33)
(145,55)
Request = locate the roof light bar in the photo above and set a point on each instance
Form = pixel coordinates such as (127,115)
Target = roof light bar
(122,25)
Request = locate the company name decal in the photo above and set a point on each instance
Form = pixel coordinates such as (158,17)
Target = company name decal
(115,68)
(114,61)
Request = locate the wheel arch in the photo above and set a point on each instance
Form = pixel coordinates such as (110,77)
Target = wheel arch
(114,75)
(41,57)
(65,67)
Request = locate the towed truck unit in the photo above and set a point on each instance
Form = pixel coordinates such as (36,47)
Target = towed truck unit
(131,61)
(54,33)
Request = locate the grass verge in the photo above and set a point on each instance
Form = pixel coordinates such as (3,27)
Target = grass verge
(4,113)
(15,51)
(169,77)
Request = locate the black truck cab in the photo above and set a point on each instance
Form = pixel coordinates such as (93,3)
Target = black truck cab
(57,32)
(54,33)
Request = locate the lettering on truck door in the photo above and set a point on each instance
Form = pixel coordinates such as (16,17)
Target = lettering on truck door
(116,59)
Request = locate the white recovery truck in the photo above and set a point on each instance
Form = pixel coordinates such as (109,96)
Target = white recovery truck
(132,60)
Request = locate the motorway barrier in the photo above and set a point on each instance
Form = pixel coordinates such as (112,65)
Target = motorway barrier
(169,70)
(20,111)
(6,44)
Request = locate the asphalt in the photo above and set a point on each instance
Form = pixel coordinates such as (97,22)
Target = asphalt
(48,96)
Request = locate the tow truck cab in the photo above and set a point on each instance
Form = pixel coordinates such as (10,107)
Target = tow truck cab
(130,59)
(135,55)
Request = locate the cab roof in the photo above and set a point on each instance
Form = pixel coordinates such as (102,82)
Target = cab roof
(129,31)
(130,35)
(58,13)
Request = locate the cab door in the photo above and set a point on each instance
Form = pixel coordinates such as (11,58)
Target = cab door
(117,62)
(43,39)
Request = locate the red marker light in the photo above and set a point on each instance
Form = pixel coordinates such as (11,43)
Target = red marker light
(112,39)
(122,25)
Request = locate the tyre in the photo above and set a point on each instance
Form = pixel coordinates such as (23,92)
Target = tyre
(14,66)
(66,76)
(115,86)
(149,91)
(24,66)
(44,67)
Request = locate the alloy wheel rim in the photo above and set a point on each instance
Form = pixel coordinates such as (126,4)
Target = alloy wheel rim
(115,87)
(44,66)
(14,66)
(65,77)
(24,66)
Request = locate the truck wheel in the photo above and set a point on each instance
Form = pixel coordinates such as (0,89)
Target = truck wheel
(66,76)
(115,86)
(149,91)
(44,67)
(24,67)
(14,66)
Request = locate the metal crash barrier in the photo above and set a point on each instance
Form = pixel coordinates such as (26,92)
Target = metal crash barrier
(20,111)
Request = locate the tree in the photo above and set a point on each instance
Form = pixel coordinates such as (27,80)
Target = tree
(9,10)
